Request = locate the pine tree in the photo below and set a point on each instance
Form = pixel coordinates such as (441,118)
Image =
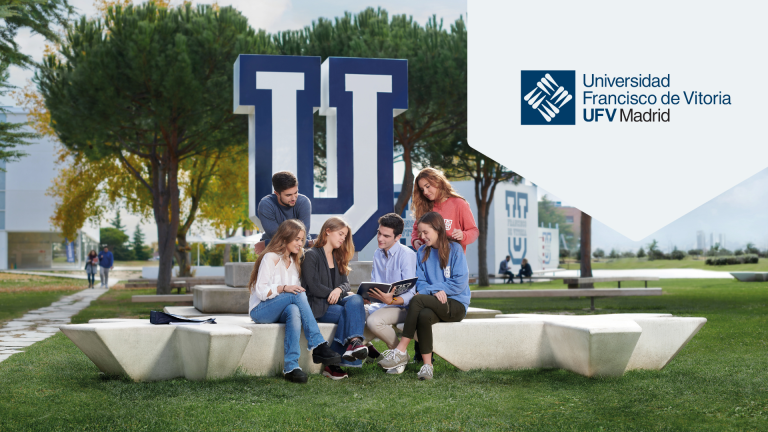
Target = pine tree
(117,222)
(138,245)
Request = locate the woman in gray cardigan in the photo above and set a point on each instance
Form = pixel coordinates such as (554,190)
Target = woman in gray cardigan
(324,274)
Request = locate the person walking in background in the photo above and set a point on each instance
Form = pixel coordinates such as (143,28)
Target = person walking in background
(525,270)
(325,272)
(277,297)
(106,262)
(91,267)
(433,192)
(285,203)
(442,292)
(504,269)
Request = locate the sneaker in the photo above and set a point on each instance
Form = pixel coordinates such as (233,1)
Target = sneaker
(297,376)
(426,372)
(373,353)
(396,370)
(325,355)
(334,372)
(394,359)
(355,351)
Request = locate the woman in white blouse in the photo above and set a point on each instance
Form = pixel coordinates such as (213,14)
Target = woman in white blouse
(277,297)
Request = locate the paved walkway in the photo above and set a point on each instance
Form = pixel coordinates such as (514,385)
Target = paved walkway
(39,324)
(659,273)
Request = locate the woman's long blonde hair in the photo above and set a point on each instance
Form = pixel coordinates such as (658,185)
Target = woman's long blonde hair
(436,178)
(443,246)
(343,255)
(286,233)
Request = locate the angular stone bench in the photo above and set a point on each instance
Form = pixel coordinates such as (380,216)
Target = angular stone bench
(750,276)
(601,345)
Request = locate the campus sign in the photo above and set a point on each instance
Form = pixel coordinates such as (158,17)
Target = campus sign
(516,218)
(358,97)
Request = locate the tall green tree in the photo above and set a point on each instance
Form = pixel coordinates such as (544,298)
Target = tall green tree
(117,242)
(550,215)
(151,87)
(117,222)
(437,71)
(37,16)
(139,250)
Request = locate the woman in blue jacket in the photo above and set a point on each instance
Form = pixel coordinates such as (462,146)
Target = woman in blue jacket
(442,292)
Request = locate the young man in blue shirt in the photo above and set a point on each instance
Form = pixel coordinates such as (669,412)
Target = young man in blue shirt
(285,203)
(106,263)
(504,270)
(392,262)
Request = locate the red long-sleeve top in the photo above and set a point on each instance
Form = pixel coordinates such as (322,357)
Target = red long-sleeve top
(457,215)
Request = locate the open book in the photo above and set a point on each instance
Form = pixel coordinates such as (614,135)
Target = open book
(398,288)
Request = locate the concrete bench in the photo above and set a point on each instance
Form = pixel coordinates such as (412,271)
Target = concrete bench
(751,276)
(573,292)
(529,278)
(603,345)
(579,282)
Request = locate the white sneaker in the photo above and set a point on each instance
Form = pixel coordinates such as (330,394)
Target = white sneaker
(396,370)
(426,372)
(394,359)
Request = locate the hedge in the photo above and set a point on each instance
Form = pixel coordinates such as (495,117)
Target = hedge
(728,260)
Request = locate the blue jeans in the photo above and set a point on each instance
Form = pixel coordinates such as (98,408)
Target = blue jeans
(349,314)
(91,278)
(292,310)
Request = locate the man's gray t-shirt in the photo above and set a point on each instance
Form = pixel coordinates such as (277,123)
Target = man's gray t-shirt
(272,214)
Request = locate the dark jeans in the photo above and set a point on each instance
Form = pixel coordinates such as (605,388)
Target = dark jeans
(520,274)
(91,278)
(425,310)
(349,315)
(510,277)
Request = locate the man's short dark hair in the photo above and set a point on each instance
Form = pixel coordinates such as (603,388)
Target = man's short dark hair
(507,257)
(284,180)
(394,221)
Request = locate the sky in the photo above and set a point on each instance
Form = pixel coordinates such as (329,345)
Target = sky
(270,15)
(739,213)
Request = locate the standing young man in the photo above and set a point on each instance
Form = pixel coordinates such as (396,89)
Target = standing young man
(392,262)
(285,203)
(106,263)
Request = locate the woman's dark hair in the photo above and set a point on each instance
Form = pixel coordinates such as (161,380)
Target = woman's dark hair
(394,221)
(436,222)
(92,253)
(284,180)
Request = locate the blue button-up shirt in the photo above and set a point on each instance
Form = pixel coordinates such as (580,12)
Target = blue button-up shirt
(397,264)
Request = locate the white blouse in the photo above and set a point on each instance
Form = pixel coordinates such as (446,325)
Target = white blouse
(272,273)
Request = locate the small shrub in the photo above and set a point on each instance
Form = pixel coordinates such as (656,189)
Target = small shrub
(641,253)
(628,254)
(598,253)
(731,260)
(677,254)
(614,254)
(738,252)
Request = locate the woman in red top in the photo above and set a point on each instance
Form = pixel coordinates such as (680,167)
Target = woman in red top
(433,192)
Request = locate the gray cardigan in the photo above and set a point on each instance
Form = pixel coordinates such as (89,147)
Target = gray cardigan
(316,279)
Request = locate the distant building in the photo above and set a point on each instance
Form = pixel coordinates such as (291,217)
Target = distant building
(27,238)
(701,240)
(721,237)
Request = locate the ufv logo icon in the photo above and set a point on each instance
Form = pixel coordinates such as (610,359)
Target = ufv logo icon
(546,244)
(546,97)
(516,204)
(358,97)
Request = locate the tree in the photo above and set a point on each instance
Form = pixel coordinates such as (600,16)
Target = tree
(116,240)
(598,253)
(437,70)
(140,252)
(150,87)
(641,253)
(117,222)
(37,17)
(614,254)
(751,249)
(586,248)
(550,215)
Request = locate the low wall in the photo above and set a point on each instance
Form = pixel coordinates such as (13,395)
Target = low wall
(199,271)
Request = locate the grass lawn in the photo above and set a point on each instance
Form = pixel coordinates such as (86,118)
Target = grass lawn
(687,262)
(717,382)
(22,293)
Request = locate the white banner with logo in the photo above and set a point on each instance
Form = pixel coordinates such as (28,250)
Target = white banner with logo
(549,250)
(516,216)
